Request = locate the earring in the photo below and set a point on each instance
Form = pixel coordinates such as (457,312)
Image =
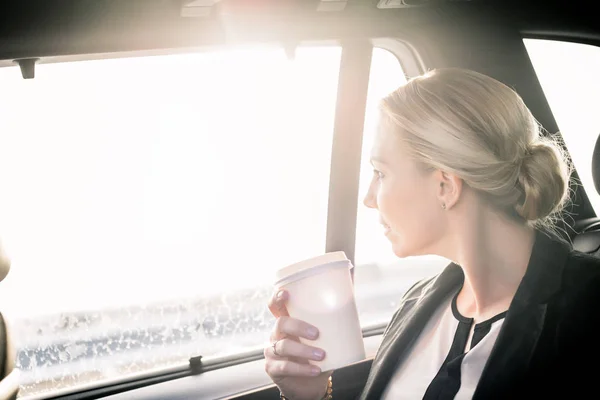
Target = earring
(443,206)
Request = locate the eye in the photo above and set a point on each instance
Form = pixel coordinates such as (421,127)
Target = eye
(378,174)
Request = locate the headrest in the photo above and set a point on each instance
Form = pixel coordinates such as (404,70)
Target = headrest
(596,165)
(9,386)
(9,375)
(4,263)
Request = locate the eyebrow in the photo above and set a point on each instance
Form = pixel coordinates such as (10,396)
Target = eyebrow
(376,159)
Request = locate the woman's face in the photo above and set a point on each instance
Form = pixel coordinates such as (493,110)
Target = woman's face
(406,196)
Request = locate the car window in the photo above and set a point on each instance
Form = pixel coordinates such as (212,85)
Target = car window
(381,277)
(146,201)
(568,73)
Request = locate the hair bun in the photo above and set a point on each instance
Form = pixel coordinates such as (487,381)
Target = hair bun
(542,180)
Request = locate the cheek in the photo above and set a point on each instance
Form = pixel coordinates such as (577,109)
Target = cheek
(398,201)
(409,210)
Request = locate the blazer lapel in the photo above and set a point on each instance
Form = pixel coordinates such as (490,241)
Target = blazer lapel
(407,326)
(512,352)
(521,329)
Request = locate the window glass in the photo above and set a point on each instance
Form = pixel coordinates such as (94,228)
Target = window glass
(146,201)
(568,73)
(381,277)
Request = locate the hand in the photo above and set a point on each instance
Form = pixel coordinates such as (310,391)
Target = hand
(287,364)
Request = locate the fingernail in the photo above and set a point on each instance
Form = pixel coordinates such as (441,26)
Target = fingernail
(312,332)
(315,371)
(319,354)
(280,295)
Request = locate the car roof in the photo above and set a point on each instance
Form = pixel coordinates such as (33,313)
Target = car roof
(67,27)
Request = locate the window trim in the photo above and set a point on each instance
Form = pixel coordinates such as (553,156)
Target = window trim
(571,37)
(346,149)
(407,55)
(167,52)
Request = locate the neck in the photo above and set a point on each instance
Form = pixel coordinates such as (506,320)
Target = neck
(494,253)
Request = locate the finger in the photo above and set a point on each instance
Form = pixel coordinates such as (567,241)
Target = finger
(282,368)
(288,326)
(290,348)
(277,303)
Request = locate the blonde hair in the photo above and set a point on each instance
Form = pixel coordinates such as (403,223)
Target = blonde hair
(479,129)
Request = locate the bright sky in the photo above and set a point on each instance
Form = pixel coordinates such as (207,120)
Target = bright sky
(133,180)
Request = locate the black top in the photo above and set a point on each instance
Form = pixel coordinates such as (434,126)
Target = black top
(547,346)
(446,383)
(479,331)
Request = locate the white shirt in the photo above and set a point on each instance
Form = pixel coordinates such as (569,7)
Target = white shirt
(414,376)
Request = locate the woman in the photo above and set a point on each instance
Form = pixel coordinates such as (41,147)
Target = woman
(462,171)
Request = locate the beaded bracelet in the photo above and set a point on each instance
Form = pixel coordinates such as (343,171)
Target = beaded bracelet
(327,396)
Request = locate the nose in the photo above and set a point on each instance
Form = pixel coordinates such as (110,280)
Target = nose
(370,200)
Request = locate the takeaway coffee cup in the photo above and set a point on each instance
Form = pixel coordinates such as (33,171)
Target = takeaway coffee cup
(322,294)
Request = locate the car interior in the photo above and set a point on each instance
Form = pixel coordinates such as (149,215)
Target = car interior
(494,37)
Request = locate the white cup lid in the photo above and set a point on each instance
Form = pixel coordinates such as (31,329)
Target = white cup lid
(310,263)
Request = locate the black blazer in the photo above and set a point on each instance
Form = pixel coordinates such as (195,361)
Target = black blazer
(549,343)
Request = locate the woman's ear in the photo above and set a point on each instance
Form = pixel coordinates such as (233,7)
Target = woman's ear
(449,190)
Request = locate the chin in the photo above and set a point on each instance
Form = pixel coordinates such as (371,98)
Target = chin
(401,252)
(403,249)
(400,248)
